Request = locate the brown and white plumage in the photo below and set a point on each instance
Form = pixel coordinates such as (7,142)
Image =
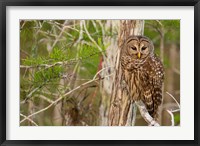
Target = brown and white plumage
(143,72)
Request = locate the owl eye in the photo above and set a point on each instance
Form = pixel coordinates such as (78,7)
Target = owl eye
(144,48)
(134,48)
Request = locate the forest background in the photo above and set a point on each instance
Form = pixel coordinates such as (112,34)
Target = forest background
(62,79)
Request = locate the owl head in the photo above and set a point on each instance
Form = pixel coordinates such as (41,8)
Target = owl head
(139,47)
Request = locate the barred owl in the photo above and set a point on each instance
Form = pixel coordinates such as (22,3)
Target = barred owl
(143,72)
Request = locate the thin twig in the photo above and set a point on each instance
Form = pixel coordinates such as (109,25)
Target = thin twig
(29,119)
(88,34)
(101,71)
(171,111)
(68,62)
(102,29)
(95,26)
(46,65)
(172,117)
(159,23)
(31,93)
(176,110)
(80,33)
(44,98)
(60,98)
(59,36)
(174,99)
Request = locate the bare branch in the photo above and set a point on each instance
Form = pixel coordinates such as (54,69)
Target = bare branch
(102,29)
(31,93)
(170,105)
(68,62)
(80,33)
(88,34)
(59,36)
(101,71)
(173,99)
(44,98)
(158,21)
(29,119)
(176,110)
(61,97)
(48,65)
(144,113)
(172,117)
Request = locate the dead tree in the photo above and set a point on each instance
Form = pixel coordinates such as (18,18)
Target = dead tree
(108,63)
(122,110)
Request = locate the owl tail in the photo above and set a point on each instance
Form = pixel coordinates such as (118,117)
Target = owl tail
(152,101)
(157,98)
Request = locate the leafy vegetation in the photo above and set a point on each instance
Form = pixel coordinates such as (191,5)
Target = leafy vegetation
(56,56)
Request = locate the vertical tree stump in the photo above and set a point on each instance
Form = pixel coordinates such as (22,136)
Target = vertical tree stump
(122,109)
(108,64)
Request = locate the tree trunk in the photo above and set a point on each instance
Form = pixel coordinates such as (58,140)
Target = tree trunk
(108,64)
(122,109)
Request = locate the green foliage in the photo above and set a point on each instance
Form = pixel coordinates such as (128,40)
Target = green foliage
(47,42)
(34,61)
(177,118)
(166,62)
(57,55)
(171,29)
(50,74)
(46,27)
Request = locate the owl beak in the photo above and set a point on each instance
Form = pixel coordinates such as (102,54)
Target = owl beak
(139,54)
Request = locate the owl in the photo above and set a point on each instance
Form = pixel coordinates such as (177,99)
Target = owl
(143,72)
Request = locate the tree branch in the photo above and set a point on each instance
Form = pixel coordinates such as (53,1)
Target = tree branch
(29,119)
(172,117)
(68,62)
(44,98)
(144,113)
(61,97)
(174,99)
(172,111)
(49,65)
(88,34)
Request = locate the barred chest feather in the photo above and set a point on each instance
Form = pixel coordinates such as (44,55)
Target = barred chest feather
(140,75)
(134,81)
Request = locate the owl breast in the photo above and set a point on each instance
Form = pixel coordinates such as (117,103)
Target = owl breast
(133,78)
(142,76)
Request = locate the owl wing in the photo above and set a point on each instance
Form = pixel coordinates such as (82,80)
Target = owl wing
(153,80)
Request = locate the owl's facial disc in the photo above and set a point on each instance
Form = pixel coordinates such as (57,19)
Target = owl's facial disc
(133,48)
(138,49)
(133,51)
(144,49)
(138,52)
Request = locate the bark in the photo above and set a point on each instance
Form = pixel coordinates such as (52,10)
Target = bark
(122,109)
(108,63)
